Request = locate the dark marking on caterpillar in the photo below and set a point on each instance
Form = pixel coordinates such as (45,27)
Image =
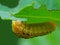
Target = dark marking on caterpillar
(23,30)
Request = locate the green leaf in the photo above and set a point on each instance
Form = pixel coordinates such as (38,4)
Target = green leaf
(38,15)
(4,10)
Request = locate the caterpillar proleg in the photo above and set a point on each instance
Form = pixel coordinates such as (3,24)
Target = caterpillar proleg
(24,30)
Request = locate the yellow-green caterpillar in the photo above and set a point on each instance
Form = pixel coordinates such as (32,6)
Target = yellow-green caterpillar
(24,30)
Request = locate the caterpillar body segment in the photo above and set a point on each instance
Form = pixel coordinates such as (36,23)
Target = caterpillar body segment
(24,30)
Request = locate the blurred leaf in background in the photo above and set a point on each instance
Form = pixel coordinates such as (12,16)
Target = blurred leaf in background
(6,35)
(9,3)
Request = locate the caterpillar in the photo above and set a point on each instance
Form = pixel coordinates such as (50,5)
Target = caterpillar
(24,30)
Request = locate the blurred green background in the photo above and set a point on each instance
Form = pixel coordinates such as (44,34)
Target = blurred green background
(7,37)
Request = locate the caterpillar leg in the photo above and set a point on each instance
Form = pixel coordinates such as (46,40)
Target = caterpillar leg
(24,30)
